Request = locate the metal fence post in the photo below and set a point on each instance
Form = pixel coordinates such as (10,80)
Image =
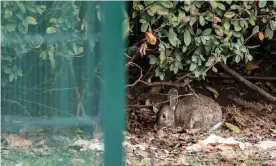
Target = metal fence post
(113,88)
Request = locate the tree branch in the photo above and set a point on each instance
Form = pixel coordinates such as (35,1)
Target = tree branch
(247,83)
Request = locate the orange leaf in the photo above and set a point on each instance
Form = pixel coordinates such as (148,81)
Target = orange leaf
(151,39)
(215,20)
(261,36)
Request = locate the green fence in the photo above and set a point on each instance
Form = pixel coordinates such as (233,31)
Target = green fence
(62,83)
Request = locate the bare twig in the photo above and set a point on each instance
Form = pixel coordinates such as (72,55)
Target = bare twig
(141,73)
(246,77)
(250,47)
(183,77)
(189,86)
(15,102)
(175,84)
(250,85)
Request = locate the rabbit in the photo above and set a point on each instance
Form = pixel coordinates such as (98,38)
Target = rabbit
(191,112)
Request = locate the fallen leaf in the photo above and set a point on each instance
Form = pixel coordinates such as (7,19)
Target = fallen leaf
(232,127)
(17,141)
(147,103)
(251,65)
(151,39)
(261,36)
(212,90)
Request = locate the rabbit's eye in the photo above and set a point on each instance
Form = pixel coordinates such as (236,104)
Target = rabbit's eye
(164,116)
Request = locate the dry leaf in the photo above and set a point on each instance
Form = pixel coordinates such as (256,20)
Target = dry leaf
(253,65)
(215,92)
(17,141)
(214,69)
(232,127)
(143,49)
(147,103)
(261,36)
(151,39)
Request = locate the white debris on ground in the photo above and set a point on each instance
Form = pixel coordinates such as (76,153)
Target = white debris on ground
(214,141)
(89,145)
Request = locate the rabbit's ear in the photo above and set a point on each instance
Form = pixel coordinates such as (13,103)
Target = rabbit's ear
(173,97)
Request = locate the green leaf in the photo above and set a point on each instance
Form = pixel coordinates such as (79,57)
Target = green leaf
(158,9)
(10,27)
(237,28)
(208,63)
(251,21)
(269,33)
(237,58)
(80,49)
(197,74)
(7,70)
(262,3)
(272,24)
(221,6)
(75,49)
(255,30)
(207,32)
(214,4)
(23,29)
(229,14)
(99,15)
(126,28)
(39,10)
(226,25)
(51,30)
(219,31)
(52,20)
(201,20)
(184,48)
(162,56)
(21,7)
(167,4)
(187,37)
(178,57)
(43,55)
(11,77)
(53,63)
(153,59)
(19,73)
(31,20)
(143,21)
(192,21)
(194,58)
(234,7)
(172,36)
(192,67)
(144,27)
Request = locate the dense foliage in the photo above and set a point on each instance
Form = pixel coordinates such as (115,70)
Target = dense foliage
(195,35)
(53,31)
(191,35)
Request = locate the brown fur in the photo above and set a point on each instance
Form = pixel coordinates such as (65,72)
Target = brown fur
(190,112)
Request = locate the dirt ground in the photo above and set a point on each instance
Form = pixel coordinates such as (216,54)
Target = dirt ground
(146,144)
